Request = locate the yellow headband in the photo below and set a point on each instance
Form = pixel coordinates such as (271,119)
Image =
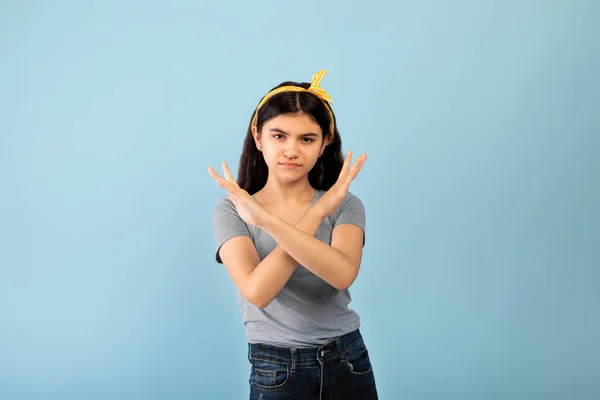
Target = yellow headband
(314,89)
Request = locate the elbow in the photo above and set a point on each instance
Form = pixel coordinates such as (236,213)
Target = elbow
(345,285)
(260,303)
(346,281)
(255,298)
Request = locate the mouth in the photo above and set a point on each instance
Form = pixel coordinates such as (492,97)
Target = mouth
(289,165)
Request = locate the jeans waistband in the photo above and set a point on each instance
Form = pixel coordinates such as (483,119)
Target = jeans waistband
(336,348)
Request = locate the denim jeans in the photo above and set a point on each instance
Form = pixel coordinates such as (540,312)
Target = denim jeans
(340,369)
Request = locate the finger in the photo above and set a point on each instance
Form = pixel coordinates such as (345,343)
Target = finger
(345,166)
(228,175)
(357,166)
(355,169)
(220,181)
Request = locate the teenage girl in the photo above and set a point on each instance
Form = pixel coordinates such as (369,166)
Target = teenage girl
(291,236)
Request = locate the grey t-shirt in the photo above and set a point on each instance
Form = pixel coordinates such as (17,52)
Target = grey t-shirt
(307,312)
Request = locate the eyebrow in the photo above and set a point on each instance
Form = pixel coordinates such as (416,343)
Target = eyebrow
(285,133)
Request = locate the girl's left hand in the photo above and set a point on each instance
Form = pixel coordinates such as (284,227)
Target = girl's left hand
(333,198)
(249,210)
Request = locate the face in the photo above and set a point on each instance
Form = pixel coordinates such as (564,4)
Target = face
(291,144)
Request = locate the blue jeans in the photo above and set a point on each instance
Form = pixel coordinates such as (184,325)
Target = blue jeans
(340,369)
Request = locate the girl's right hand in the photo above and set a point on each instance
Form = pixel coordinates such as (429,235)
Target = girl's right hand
(333,198)
(248,209)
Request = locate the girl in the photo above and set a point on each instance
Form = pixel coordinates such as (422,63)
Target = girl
(290,235)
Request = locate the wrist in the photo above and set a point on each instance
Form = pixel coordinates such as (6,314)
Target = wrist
(267,219)
(315,212)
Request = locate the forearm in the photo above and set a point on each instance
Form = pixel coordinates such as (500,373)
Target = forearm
(273,272)
(325,261)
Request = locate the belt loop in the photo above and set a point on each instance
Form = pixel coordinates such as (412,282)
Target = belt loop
(294,357)
(340,349)
(249,352)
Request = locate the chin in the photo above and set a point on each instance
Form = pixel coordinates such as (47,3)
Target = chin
(290,176)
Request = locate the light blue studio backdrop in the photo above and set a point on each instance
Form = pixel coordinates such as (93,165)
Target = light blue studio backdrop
(480,273)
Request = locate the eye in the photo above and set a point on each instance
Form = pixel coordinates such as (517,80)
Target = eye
(278,134)
(309,140)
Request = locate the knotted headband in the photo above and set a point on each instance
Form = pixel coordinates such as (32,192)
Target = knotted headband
(314,88)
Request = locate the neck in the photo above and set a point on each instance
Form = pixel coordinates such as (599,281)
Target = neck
(276,192)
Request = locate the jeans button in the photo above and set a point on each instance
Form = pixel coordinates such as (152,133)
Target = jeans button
(322,353)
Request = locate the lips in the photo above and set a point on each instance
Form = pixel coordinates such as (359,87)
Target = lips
(289,165)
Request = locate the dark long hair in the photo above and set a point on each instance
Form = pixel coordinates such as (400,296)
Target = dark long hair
(253,171)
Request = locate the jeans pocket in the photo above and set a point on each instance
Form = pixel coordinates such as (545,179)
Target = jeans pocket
(357,360)
(269,375)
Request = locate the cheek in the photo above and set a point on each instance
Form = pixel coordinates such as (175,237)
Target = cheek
(269,154)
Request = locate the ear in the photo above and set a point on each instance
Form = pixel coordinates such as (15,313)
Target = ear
(325,143)
(256,137)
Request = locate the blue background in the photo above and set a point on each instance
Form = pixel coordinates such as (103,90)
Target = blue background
(481,274)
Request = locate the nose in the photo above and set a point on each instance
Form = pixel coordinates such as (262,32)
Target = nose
(291,152)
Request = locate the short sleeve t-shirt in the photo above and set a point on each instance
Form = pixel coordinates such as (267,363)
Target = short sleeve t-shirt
(307,312)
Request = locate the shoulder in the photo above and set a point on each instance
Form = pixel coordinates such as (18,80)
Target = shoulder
(351,201)
(351,196)
(351,211)
(224,203)
(225,219)
(348,198)
(224,208)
